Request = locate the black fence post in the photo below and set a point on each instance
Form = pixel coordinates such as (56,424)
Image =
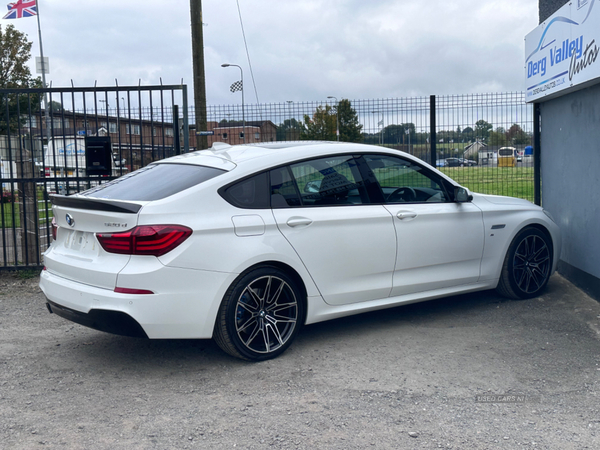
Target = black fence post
(176,140)
(432,127)
(537,176)
(27,209)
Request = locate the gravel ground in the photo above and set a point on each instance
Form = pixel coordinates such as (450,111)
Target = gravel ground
(408,377)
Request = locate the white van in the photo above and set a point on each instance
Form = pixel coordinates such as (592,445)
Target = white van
(5,172)
(65,157)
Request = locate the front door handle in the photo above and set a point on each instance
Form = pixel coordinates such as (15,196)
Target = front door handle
(406,215)
(298,222)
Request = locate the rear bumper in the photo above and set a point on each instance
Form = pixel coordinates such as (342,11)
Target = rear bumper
(184,305)
(114,322)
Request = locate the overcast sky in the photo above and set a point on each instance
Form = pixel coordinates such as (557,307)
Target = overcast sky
(301,50)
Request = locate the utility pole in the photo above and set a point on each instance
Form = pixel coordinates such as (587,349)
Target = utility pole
(199,77)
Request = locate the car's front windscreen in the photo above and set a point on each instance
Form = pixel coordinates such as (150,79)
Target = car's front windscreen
(154,182)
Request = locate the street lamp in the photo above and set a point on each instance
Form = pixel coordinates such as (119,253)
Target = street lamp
(337,115)
(242,89)
(120,106)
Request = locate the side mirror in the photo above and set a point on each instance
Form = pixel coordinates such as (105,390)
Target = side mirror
(461,195)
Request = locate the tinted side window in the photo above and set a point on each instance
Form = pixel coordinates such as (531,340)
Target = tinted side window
(154,182)
(329,181)
(284,193)
(250,193)
(403,181)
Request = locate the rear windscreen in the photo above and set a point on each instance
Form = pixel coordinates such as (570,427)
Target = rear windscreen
(154,182)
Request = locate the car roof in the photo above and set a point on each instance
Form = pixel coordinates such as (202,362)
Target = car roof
(252,157)
(227,157)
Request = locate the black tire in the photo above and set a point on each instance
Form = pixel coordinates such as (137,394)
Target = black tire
(527,265)
(261,314)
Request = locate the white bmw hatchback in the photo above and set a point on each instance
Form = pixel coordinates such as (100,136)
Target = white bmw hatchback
(245,244)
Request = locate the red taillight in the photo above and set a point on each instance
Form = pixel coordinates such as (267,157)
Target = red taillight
(54,229)
(47,171)
(153,240)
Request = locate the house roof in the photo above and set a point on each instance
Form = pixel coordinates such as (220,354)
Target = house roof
(251,123)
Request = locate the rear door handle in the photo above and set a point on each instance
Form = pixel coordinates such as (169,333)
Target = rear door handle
(298,222)
(406,215)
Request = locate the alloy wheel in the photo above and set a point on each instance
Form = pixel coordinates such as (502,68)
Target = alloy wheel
(531,264)
(266,314)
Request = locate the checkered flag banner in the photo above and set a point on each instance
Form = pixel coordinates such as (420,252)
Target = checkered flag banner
(237,86)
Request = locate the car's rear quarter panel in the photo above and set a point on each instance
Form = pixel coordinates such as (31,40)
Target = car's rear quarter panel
(214,244)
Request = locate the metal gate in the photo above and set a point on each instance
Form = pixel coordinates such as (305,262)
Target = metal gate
(45,147)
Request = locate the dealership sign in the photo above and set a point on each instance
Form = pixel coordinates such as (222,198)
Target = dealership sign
(562,54)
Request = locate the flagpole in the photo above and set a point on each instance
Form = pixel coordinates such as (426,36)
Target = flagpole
(43,70)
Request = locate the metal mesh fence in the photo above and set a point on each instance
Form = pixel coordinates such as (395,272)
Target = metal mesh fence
(483,141)
(469,130)
(45,138)
(493,130)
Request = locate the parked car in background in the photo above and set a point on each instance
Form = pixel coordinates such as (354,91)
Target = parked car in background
(460,162)
(467,162)
(453,162)
(246,244)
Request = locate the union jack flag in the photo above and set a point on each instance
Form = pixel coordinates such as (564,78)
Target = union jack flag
(20,9)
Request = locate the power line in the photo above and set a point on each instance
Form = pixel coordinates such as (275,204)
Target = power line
(248,56)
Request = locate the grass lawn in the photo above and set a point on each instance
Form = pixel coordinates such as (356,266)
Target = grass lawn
(511,181)
(10,214)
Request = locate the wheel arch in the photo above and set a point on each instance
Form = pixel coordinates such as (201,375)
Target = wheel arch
(224,332)
(289,270)
(542,228)
(507,285)
(493,258)
(555,245)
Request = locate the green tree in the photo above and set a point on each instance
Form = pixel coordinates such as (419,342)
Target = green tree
(15,51)
(482,129)
(56,107)
(497,137)
(322,125)
(468,134)
(400,134)
(350,129)
(517,136)
(392,134)
(446,136)
(289,130)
